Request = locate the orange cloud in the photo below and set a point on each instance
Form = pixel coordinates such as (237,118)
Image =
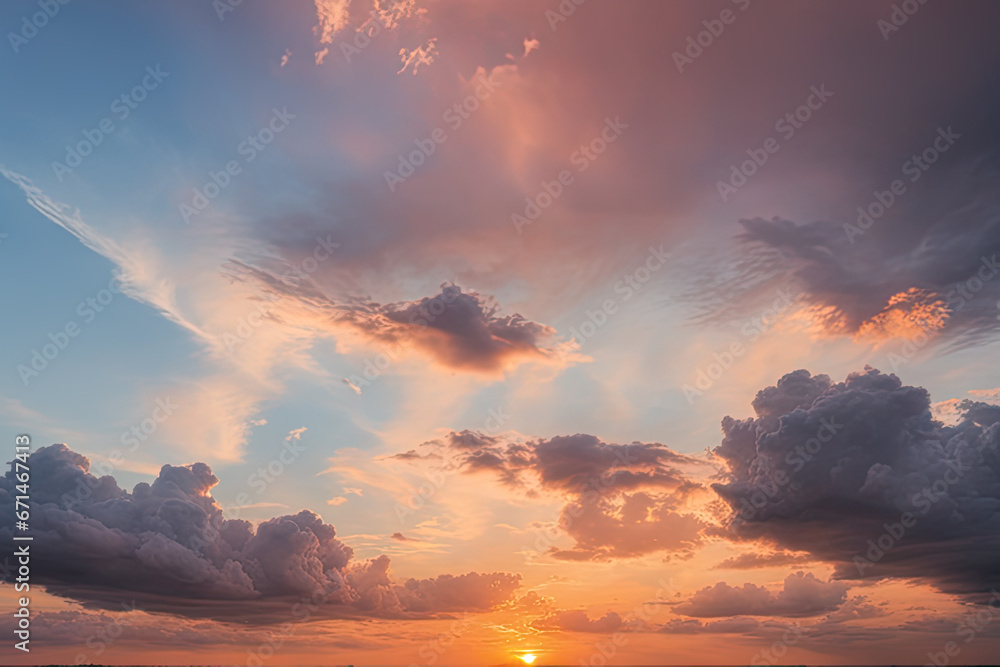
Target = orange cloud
(907,314)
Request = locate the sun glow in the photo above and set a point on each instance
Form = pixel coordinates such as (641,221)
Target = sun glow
(528,658)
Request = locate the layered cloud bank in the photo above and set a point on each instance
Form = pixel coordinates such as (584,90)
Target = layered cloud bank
(168,545)
(857,474)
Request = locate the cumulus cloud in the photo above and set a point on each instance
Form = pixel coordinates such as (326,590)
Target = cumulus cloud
(950,411)
(460,329)
(802,595)
(836,626)
(835,469)
(855,609)
(446,592)
(574,462)
(620,500)
(632,525)
(168,545)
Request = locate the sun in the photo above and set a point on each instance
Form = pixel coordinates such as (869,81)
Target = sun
(528,658)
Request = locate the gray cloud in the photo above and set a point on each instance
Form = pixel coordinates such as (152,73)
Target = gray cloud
(168,545)
(576,620)
(690,626)
(802,595)
(460,330)
(754,561)
(832,468)
(574,463)
(621,500)
(443,221)
(950,266)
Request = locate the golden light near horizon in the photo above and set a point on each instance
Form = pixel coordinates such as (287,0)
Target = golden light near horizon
(528,658)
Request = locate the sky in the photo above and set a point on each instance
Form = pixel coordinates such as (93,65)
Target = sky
(423,332)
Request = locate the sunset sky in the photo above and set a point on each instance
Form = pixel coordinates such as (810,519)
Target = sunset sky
(425,332)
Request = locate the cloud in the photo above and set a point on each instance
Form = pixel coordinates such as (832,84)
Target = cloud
(856,608)
(637,524)
(573,463)
(240,360)
(92,633)
(576,620)
(391,12)
(17,413)
(950,411)
(967,626)
(836,625)
(619,500)
(295,434)
(333,16)
(402,538)
(803,595)
(459,330)
(832,469)
(168,546)
(448,221)
(986,395)
(140,275)
(413,455)
(471,440)
(689,626)
(940,278)
(755,561)
(467,592)
(532,601)
(412,59)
